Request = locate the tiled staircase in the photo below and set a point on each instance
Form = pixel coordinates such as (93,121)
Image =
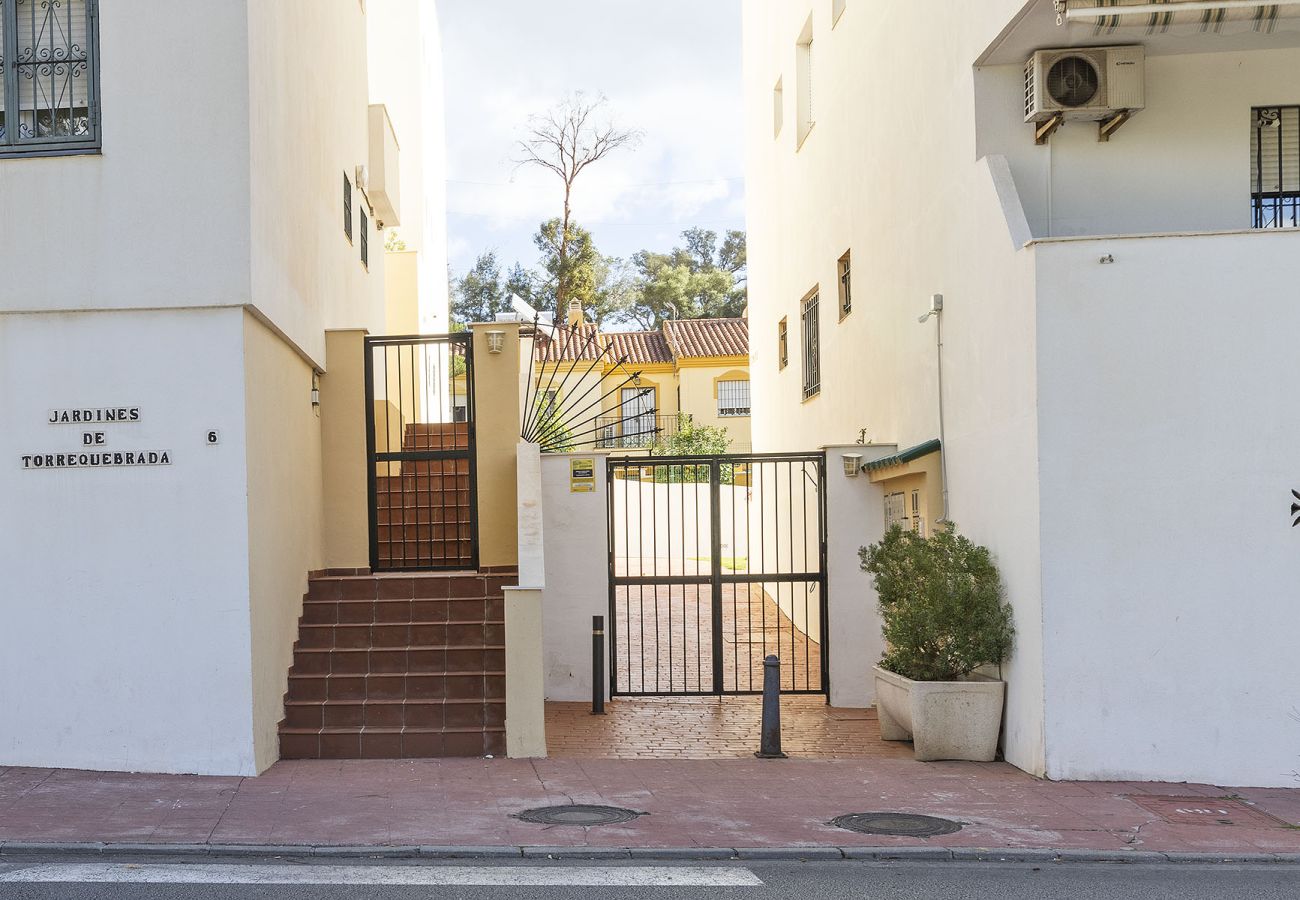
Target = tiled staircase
(397,666)
(424,506)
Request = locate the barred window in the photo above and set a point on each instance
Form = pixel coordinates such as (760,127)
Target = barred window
(365,240)
(733,398)
(782,344)
(846,285)
(49,56)
(347,206)
(812,364)
(1275,167)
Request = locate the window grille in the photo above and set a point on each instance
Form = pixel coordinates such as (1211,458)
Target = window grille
(1275,167)
(733,398)
(782,344)
(49,53)
(812,367)
(347,206)
(846,286)
(365,240)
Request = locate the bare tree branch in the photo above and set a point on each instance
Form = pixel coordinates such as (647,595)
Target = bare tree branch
(565,141)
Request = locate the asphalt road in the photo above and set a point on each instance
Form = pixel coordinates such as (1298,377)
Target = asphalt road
(122,879)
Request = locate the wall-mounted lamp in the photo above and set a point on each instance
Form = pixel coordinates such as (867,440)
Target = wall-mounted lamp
(315,390)
(496,340)
(852,464)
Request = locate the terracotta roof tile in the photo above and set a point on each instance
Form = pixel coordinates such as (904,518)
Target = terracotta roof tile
(567,343)
(640,347)
(708,337)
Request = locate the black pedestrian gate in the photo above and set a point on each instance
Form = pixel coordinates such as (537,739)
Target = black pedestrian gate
(420,445)
(714,563)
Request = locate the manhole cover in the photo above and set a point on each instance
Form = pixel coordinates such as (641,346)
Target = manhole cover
(1206,811)
(578,814)
(900,824)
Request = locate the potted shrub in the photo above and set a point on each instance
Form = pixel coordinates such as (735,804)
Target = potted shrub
(943,617)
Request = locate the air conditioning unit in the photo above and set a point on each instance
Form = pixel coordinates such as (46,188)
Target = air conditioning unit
(1085,84)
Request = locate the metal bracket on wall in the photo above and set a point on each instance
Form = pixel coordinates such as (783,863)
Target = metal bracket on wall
(1043,133)
(1107,127)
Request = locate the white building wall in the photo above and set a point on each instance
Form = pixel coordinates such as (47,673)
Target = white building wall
(159,219)
(126,642)
(406,76)
(308,131)
(1182,164)
(574,528)
(889,171)
(1168,449)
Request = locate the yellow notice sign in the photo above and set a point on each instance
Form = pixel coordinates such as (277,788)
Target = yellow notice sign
(582,476)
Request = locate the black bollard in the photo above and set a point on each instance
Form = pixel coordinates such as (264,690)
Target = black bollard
(770,745)
(597,665)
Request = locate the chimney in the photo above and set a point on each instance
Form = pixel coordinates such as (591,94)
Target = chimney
(575,313)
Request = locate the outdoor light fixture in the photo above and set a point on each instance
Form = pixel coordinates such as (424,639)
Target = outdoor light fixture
(315,390)
(852,464)
(495,341)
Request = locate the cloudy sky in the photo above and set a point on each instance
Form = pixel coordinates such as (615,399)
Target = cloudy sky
(670,68)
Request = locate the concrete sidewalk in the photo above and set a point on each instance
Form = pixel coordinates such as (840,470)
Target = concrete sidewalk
(689,803)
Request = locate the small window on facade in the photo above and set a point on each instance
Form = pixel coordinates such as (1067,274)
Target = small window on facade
(803,58)
(812,364)
(846,286)
(782,343)
(347,207)
(837,10)
(733,398)
(895,510)
(918,521)
(1275,167)
(49,52)
(778,108)
(365,240)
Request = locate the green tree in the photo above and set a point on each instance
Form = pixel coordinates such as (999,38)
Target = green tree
(604,286)
(479,294)
(565,141)
(695,281)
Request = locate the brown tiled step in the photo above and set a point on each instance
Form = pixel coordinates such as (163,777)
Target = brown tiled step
(438,713)
(390,743)
(475,685)
(420,475)
(410,533)
(423,507)
(406,661)
(402,634)
(422,586)
(484,610)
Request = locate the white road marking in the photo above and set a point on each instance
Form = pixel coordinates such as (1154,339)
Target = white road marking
(521,876)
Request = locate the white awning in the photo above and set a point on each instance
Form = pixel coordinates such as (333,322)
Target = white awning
(1134,17)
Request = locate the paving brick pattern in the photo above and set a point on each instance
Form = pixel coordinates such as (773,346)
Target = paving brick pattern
(713,728)
(691,803)
(663,638)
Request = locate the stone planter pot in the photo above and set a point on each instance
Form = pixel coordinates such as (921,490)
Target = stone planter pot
(943,719)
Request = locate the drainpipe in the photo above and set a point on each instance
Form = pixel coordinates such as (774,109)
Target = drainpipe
(936,310)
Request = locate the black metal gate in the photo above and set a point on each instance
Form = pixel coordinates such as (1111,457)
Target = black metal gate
(714,563)
(420,441)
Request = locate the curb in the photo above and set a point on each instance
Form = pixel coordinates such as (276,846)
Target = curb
(676,854)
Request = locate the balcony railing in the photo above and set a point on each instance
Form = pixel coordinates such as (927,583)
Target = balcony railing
(634,433)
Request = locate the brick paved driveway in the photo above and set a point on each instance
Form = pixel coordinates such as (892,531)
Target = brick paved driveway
(713,728)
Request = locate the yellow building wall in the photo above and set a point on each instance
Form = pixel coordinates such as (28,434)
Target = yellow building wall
(343,451)
(924,475)
(284,516)
(699,391)
(496,430)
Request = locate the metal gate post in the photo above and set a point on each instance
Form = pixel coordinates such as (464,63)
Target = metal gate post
(715,554)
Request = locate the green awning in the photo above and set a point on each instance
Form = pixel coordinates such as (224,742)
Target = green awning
(905,456)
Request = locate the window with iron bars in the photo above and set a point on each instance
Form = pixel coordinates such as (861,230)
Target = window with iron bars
(812,364)
(49,53)
(846,285)
(365,240)
(347,207)
(1275,167)
(733,399)
(782,344)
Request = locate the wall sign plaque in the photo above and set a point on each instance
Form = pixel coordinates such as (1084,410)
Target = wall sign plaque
(94,452)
